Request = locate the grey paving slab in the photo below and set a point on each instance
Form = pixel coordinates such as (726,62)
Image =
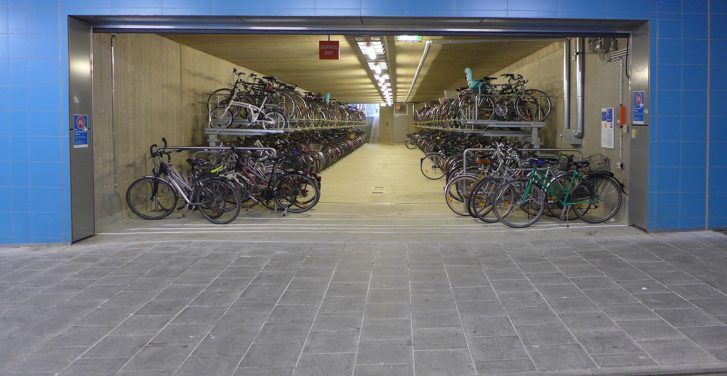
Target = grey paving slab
(560,357)
(545,334)
(344,341)
(607,342)
(384,352)
(686,317)
(497,348)
(383,370)
(325,365)
(94,367)
(590,321)
(116,347)
(436,319)
(487,326)
(647,330)
(709,337)
(386,329)
(676,351)
(208,365)
(444,363)
(439,338)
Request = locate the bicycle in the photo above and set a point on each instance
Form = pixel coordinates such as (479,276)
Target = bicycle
(155,196)
(593,198)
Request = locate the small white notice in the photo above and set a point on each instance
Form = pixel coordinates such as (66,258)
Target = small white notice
(607,129)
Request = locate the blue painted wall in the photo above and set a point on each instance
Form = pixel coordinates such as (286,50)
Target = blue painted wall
(34,105)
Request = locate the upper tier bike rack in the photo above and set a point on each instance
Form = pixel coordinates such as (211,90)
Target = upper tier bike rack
(471,150)
(487,128)
(214,134)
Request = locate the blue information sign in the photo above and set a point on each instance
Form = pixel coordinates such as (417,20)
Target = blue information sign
(80,131)
(638,116)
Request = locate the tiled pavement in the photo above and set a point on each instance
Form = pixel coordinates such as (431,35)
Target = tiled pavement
(572,306)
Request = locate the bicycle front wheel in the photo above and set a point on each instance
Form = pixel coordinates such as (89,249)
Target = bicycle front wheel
(457,193)
(274,119)
(597,199)
(217,200)
(517,207)
(151,198)
(480,203)
(431,166)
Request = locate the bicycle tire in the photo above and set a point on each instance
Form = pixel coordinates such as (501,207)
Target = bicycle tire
(277,117)
(410,144)
(605,192)
(457,192)
(148,190)
(509,204)
(292,187)
(431,166)
(216,199)
(480,204)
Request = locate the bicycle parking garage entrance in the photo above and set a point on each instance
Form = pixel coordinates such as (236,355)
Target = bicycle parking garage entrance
(325,127)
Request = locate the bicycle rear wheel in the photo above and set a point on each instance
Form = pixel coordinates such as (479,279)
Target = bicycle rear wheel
(298,193)
(217,200)
(597,199)
(517,208)
(151,198)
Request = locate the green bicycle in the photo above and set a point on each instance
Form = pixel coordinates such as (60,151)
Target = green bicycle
(593,198)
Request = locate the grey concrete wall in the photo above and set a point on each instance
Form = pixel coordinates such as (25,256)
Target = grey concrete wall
(161,91)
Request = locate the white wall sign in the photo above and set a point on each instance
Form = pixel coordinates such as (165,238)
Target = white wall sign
(607,129)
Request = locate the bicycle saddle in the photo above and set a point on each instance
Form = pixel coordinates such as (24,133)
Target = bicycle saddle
(270,78)
(581,164)
(488,78)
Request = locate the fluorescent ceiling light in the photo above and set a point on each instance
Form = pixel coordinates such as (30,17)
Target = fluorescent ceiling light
(408,38)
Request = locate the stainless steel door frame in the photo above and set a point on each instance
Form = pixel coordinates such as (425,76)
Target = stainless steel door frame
(639,145)
(83,221)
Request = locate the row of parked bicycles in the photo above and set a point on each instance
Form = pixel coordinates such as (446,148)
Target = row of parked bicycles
(281,174)
(268,103)
(512,184)
(484,101)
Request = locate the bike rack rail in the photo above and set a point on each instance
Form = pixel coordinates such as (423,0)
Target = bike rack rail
(214,134)
(470,150)
(218,148)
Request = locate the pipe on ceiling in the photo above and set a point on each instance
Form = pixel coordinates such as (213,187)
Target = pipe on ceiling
(580,82)
(429,43)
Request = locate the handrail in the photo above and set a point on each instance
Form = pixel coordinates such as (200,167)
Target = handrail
(469,150)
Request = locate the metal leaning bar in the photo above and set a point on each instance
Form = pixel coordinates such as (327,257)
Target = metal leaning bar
(203,148)
(467,151)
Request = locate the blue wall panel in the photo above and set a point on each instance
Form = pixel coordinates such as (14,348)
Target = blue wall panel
(34,98)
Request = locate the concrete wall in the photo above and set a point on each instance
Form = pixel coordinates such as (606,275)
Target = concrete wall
(544,70)
(161,91)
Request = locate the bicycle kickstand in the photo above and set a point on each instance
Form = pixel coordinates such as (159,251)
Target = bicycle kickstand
(564,214)
(185,212)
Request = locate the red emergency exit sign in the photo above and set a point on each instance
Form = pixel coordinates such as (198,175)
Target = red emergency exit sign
(328,50)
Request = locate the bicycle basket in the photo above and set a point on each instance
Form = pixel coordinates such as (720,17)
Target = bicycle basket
(597,163)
